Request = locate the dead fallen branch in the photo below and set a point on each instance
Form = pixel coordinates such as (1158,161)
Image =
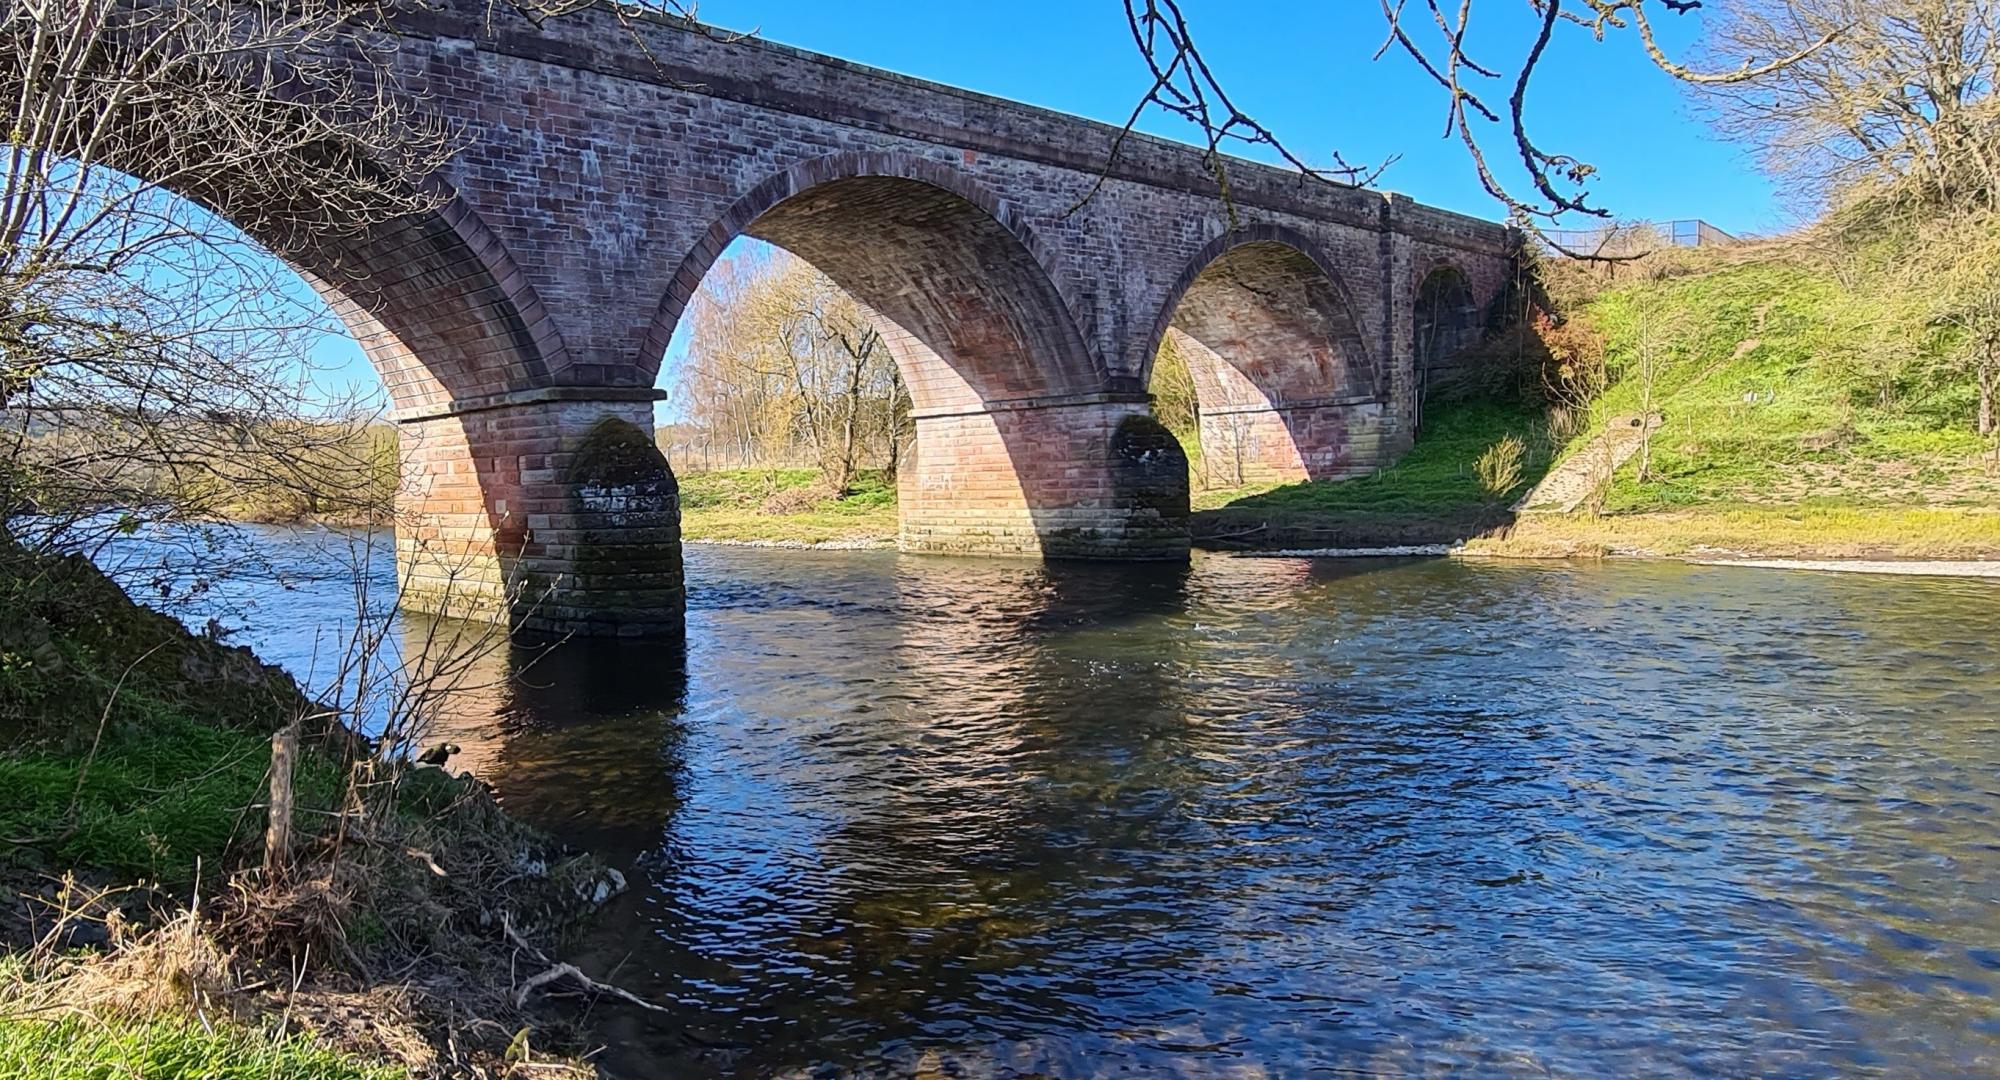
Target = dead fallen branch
(557,972)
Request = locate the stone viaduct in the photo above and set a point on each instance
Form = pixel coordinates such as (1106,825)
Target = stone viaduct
(607,162)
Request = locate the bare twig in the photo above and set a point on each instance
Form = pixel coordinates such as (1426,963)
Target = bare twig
(557,972)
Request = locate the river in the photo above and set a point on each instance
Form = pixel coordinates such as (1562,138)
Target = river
(1259,817)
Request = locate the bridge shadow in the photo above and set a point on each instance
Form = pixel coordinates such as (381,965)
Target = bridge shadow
(580,736)
(1432,495)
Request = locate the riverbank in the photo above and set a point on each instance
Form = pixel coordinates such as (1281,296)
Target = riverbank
(1780,430)
(1904,495)
(786,507)
(1321,517)
(1946,534)
(150,924)
(1903,534)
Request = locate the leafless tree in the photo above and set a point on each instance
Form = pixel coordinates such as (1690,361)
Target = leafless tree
(152,353)
(1900,94)
(782,362)
(1485,104)
(1892,129)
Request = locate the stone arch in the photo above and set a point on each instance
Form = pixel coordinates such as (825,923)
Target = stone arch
(432,295)
(439,306)
(1307,258)
(1285,384)
(967,278)
(434,299)
(461,341)
(1445,320)
(1017,431)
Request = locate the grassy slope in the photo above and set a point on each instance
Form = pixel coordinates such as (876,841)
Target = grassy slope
(135,751)
(1766,401)
(132,746)
(161,793)
(1783,434)
(778,504)
(1431,495)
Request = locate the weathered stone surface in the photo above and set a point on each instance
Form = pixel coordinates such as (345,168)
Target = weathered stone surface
(608,162)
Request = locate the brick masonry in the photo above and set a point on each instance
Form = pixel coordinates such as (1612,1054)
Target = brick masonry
(606,164)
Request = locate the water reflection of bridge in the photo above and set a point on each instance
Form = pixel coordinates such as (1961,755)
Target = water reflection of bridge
(886,773)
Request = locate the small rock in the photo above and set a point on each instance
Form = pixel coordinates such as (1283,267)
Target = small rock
(603,889)
(84,934)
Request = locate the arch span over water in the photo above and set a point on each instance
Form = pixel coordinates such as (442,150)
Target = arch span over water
(1286,386)
(1020,450)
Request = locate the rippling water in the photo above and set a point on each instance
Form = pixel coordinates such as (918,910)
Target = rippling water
(1263,817)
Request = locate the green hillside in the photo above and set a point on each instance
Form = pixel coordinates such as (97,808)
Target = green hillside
(1776,386)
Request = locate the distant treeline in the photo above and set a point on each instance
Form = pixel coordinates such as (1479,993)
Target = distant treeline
(784,369)
(274,471)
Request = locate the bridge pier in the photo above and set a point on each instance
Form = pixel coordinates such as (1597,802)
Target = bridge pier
(550,510)
(1088,476)
(553,510)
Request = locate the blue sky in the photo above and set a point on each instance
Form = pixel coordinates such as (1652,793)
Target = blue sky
(1303,69)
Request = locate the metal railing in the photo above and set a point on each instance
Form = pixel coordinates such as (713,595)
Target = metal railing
(1638,236)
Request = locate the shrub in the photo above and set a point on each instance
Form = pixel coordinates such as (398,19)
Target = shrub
(1499,468)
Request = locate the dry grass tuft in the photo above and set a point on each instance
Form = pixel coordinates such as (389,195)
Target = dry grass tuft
(291,921)
(274,988)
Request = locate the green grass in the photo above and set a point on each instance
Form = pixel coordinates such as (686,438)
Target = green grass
(158,795)
(1770,395)
(1818,531)
(777,504)
(739,488)
(82,1048)
(1435,478)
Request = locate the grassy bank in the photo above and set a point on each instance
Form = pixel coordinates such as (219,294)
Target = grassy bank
(1779,532)
(1434,494)
(142,934)
(788,505)
(1797,420)
(1775,388)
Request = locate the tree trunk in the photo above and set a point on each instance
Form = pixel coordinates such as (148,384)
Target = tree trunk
(897,397)
(1989,390)
(851,432)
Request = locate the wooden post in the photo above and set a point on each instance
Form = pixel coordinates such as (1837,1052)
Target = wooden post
(278,836)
